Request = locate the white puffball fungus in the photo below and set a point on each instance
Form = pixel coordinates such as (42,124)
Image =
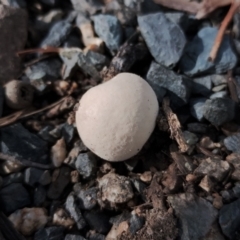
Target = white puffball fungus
(116,118)
(18,94)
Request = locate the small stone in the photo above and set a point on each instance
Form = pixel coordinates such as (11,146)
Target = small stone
(32,176)
(234,160)
(109,29)
(57,34)
(96,236)
(232,142)
(53,15)
(61,218)
(206,184)
(218,79)
(216,169)
(86,165)
(58,152)
(98,221)
(219,110)
(62,178)
(50,233)
(14,197)
(12,178)
(14,3)
(229,219)
(13,28)
(197,127)
(68,132)
(26,145)
(187,207)
(221,94)
(219,88)
(231,194)
(190,138)
(197,108)
(177,85)
(74,237)
(87,6)
(136,223)
(179,18)
(96,59)
(194,61)
(72,207)
(165,39)
(40,194)
(115,188)
(202,86)
(45,134)
(146,177)
(29,220)
(87,197)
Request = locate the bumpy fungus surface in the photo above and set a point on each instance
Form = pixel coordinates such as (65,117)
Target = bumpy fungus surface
(116,118)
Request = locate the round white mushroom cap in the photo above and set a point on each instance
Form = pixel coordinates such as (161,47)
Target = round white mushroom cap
(116,118)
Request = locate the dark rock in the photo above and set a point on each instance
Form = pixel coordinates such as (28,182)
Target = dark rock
(231,194)
(74,211)
(234,160)
(57,34)
(72,41)
(40,194)
(165,39)
(62,178)
(97,59)
(1,100)
(12,178)
(43,71)
(13,197)
(68,132)
(194,60)
(98,221)
(108,28)
(148,6)
(124,216)
(197,127)
(190,138)
(50,3)
(44,133)
(14,3)
(197,108)
(32,176)
(50,233)
(87,6)
(214,168)
(139,185)
(222,94)
(86,165)
(87,198)
(202,86)
(232,143)
(229,219)
(26,145)
(13,28)
(74,237)
(214,233)
(136,222)
(96,236)
(188,207)
(177,85)
(219,110)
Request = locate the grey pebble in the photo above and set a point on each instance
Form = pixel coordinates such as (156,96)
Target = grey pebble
(195,58)
(14,3)
(86,165)
(202,86)
(197,108)
(165,39)
(57,34)
(190,138)
(219,110)
(57,187)
(109,29)
(32,176)
(229,219)
(14,197)
(219,88)
(232,142)
(12,178)
(87,6)
(136,223)
(221,94)
(178,86)
(50,233)
(218,79)
(74,211)
(187,207)
(26,145)
(98,60)
(74,237)
(179,18)
(197,127)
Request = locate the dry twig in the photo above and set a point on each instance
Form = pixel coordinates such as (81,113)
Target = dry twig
(175,126)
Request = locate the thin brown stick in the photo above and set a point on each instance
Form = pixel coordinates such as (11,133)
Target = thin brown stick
(232,87)
(218,40)
(24,163)
(39,50)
